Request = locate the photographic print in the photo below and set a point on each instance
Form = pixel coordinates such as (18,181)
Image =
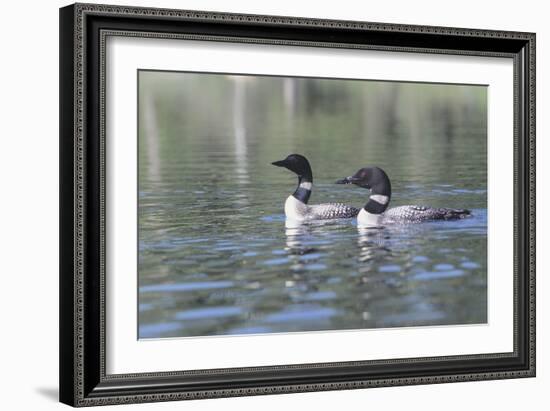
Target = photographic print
(266,204)
(275,204)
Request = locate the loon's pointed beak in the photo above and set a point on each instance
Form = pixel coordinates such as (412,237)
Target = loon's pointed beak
(280,163)
(346,180)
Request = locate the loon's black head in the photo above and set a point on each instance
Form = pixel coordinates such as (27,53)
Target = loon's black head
(372,178)
(297,164)
(376,180)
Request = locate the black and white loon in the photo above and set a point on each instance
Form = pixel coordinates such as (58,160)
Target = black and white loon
(296,207)
(375,213)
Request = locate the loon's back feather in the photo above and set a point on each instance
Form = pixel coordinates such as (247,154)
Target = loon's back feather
(298,211)
(415,213)
(331,210)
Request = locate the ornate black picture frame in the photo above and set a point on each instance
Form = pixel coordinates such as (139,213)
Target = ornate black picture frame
(83,30)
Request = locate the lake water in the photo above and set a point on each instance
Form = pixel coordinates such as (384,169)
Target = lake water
(215,257)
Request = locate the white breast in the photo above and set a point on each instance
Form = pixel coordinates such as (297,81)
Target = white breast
(366,219)
(295,209)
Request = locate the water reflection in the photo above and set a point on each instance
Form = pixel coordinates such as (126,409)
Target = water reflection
(372,245)
(296,234)
(239,126)
(151,136)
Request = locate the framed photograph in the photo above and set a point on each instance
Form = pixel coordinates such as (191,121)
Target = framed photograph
(262,204)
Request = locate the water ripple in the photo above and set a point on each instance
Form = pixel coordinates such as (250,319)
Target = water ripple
(181,287)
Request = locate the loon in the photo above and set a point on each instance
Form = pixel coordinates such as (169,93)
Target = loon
(296,208)
(375,213)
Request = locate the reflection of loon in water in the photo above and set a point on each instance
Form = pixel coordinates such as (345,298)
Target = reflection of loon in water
(295,234)
(296,207)
(297,246)
(372,245)
(374,213)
